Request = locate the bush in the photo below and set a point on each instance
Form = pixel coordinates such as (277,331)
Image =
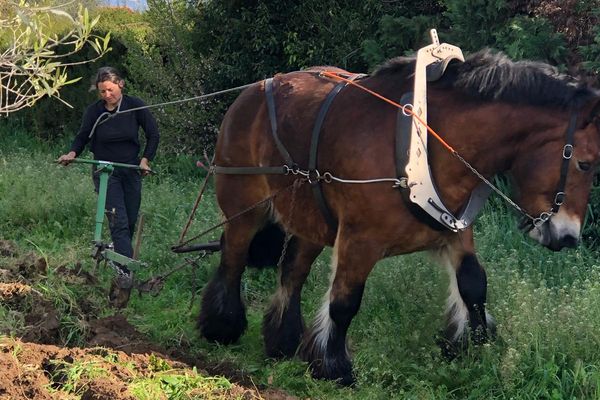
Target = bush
(50,118)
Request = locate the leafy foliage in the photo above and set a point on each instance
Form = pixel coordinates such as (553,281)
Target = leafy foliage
(532,38)
(591,53)
(35,43)
(545,303)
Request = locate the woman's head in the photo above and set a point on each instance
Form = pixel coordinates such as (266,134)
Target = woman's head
(109,84)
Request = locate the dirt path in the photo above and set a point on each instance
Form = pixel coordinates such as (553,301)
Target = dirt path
(117,359)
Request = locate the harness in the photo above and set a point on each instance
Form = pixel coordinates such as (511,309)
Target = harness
(412,166)
(411,143)
(312,173)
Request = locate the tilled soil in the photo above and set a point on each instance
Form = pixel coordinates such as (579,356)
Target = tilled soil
(34,364)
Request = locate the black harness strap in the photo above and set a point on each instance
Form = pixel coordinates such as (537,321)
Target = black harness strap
(315,183)
(403,125)
(289,165)
(282,170)
(559,197)
(273,118)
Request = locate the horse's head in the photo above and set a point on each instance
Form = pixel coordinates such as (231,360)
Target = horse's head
(544,128)
(553,174)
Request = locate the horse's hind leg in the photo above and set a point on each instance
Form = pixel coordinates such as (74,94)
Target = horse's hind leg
(283,325)
(466,316)
(222,314)
(324,346)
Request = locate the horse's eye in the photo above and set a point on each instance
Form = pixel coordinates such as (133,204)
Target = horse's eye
(584,165)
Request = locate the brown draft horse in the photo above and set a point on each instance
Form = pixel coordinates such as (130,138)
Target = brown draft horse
(501,116)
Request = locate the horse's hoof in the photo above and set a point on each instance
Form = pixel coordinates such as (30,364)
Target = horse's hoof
(343,377)
(222,316)
(450,350)
(282,335)
(224,328)
(221,331)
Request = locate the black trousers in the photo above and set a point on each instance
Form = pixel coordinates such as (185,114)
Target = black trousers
(123,198)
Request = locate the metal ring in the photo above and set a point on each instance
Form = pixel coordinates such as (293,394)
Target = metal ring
(539,221)
(327,177)
(404,109)
(568,151)
(317,176)
(559,199)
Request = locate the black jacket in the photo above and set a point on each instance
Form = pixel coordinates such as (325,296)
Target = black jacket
(117,139)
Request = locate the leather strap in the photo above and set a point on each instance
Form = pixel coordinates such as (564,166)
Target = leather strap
(559,197)
(251,170)
(315,184)
(273,118)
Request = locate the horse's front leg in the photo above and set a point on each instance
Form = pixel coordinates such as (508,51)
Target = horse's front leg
(466,316)
(324,346)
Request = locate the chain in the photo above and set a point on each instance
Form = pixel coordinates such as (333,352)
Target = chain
(235,216)
(288,235)
(118,269)
(495,189)
(155,284)
(328,177)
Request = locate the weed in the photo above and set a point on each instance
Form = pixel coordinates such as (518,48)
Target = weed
(546,304)
(71,377)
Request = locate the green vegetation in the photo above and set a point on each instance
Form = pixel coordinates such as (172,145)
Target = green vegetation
(546,304)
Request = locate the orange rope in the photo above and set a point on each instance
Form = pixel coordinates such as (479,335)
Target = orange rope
(405,109)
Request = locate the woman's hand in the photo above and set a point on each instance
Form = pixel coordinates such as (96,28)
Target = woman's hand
(145,167)
(66,159)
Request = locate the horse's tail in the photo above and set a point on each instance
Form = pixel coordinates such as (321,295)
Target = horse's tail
(266,246)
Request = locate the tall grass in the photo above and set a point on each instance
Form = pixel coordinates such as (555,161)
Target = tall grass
(547,305)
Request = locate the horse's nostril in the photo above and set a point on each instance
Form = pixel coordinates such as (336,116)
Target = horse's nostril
(569,241)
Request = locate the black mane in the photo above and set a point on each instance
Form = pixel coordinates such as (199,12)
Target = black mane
(492,75)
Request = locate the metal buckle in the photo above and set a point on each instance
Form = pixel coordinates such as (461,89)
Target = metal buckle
(313,176)
(294,169)
(568,151)
(402,182)
(559,199)
(539,221)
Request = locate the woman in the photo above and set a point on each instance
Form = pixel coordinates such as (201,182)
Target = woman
(113,135)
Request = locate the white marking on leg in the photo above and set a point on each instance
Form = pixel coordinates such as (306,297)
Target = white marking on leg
(456,310)
(323,323)
(280,302)
(489,320)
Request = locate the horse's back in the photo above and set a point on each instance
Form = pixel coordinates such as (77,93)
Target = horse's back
(246,136)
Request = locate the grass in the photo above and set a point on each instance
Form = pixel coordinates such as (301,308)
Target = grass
(546,304)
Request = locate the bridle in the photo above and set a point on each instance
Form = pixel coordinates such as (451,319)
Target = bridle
(530,222)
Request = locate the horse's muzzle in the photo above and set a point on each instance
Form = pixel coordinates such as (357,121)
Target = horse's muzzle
(557,233)
(568,241)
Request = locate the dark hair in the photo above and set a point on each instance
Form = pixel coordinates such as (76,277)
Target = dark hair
(491,75)
(106,74)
